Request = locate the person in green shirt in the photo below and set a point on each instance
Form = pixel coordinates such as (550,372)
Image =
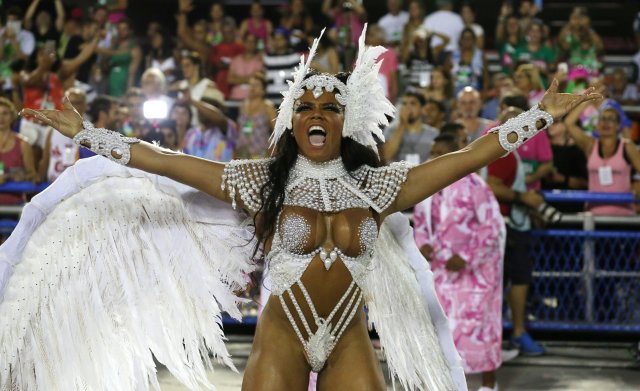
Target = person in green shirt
(535,51)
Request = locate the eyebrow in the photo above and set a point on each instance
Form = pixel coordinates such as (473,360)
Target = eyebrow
(315,101)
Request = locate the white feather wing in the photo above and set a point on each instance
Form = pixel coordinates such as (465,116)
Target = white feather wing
(407,315)
(110,265)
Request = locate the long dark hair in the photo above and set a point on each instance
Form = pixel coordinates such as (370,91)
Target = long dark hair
(353,154)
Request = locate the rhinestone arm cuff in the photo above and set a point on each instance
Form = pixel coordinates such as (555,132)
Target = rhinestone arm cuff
(107,143)
(524,126)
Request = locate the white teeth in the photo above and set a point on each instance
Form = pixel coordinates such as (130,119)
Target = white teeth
(317,127)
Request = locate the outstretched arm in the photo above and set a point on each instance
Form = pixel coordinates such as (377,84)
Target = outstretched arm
(582,140)
(427,178)
(199,173)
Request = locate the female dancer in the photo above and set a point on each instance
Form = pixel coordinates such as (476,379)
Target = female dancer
(319,206)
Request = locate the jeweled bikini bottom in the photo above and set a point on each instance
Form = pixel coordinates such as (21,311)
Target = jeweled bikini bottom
(319,345)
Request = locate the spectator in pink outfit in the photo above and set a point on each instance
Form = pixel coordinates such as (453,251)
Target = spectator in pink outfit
(389,68)
(257,25)
(348,17)
(610,158)
(537,160)
(243,67)
(461,232)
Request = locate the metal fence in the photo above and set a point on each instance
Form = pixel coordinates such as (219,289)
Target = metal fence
(587,277)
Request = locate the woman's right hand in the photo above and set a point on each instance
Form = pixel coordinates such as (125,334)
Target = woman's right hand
(67,121)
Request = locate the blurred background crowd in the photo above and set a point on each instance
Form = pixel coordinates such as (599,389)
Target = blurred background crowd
(205,78)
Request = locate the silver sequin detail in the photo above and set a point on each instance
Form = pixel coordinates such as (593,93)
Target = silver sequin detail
(517,125)
(104,142)
(368,233)
(295,233)
(328,83)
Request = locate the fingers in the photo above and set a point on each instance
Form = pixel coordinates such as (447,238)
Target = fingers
(66,103)
(39,114)
(554,86)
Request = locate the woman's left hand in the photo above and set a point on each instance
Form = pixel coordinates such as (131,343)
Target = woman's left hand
(67,121)
(558,104)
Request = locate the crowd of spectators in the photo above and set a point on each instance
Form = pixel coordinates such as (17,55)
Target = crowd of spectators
(211,87)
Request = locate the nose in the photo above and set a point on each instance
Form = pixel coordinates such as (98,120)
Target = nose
(316,113)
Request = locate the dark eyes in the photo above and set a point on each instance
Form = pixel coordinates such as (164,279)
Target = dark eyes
(303,107)
(328,107)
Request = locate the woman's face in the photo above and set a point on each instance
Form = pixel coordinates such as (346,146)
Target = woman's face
(189,69)
(522,81)
(414,10)
(123,30)
(6,118)
(608,123)
(89,30)
(250,44)
(182,116)
(256,10)
(256,89)
(317,126)
(535,33)
(43,19)
(199,32)
(217,12)
(150,85)
(512,25)
(296,6)
(467,14)
(438,80)
(280,42)
(157,41)
(170,139)
(467,40)
(557,129)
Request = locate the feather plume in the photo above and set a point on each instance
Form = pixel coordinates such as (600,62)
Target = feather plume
(289,97)
(367,106)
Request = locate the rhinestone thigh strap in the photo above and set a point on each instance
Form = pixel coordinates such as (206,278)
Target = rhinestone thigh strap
(524,126)
(105,142)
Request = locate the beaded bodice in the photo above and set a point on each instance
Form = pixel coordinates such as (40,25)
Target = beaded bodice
(323,187)
(288,261)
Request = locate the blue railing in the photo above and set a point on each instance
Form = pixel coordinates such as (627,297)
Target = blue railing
(23,187)
(589,196)
(586,279)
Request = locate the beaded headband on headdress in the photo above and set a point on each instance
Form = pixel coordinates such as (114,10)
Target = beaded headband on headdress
(366,106)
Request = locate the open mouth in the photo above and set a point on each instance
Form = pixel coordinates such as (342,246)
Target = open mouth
(317,136)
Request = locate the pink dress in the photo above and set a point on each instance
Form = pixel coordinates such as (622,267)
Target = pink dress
(465,219)
(388,65)
(534,153)
(612,175)
(243,67)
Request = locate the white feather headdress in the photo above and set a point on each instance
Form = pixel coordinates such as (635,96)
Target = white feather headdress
(296,90)
(366,106)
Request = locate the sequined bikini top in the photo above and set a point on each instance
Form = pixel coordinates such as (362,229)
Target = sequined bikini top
(324,187)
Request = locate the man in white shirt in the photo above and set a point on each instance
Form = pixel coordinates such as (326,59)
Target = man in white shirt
(445,21)
(469,104)
(393,22)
